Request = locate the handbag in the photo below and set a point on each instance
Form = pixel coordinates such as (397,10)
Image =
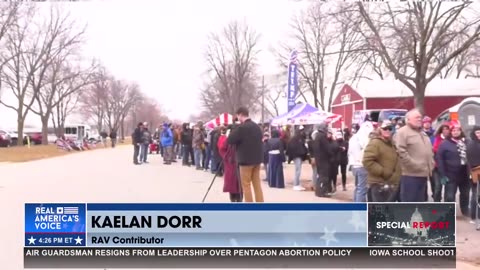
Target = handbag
(475,172)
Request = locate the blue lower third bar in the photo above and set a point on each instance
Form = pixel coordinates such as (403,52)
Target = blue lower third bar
(55,240)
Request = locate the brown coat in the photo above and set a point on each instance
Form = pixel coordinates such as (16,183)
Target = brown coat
(382,163)
(415,151)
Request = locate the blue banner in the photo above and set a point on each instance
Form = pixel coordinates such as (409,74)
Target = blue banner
(195,224)
(292,85)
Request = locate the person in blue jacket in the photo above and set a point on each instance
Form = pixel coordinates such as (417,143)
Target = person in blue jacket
(167,143)
(427,128)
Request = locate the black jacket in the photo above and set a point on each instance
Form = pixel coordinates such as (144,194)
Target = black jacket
(335,150)
(473,150)
(247,138)
(296,148)
(214,136)
(322,151)
(186,137)
(343,152)
(137,136)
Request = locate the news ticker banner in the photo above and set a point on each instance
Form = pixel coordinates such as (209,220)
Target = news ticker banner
(237,257)
(196,225)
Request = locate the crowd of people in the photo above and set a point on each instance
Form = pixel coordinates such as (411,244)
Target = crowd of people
(390,161)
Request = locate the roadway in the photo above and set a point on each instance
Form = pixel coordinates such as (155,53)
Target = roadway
(109,176)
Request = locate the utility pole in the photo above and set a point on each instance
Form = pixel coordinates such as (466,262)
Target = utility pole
(263,100)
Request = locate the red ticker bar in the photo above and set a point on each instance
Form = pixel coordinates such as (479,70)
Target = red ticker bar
(64,258)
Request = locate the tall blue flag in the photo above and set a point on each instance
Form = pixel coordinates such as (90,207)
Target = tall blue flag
(292,85)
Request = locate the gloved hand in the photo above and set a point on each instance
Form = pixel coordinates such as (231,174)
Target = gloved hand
(444,180)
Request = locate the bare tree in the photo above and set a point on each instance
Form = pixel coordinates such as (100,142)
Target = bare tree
(409,36)
(327,44)
(94,98)
(9,13)
(62,45)
(65,107)
(26,46)
(120,99)
(231,56)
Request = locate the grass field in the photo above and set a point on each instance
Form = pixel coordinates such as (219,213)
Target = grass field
(35,152)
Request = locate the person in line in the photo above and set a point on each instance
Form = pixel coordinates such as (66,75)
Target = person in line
(342,140)
(357,145)
(322,154)
(428,129)
(247,138)
(198,140)
(177,145)
(215,167)
(207,149)
(311,157)
(452,166)
(473,160)
(137,140)
(187,141)
(266,137)
(441,135)
(231,183)
(334,162)
(276,158)
(382,163)
(168,143)
(113,138)
(416,156)
(297,151)
(146,139)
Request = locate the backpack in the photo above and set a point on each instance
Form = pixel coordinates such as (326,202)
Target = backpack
(166,134)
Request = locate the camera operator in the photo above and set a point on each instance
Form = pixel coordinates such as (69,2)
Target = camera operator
(247,138)
(228,153)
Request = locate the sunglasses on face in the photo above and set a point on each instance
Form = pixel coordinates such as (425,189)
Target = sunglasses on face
(387,128)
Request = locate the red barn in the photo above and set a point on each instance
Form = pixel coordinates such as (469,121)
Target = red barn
(440,95)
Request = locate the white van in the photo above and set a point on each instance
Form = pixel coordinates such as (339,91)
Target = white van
(77,131)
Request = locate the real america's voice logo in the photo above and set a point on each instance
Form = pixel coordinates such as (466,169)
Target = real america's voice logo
(52,218)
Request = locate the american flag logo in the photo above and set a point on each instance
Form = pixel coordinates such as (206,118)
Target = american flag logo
(293,56)
(68,210)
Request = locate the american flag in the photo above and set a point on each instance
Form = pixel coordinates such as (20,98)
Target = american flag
(70,210)
(293,56)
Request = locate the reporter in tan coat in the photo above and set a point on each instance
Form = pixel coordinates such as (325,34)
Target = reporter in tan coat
(382,163)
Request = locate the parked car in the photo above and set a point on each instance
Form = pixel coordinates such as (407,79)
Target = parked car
(35,137)
(452,113)
(5,140)
(14,137)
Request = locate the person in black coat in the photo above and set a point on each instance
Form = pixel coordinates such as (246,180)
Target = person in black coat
(266,137)
(137,140)
(186,138)
(247,138)
(323,153)
(216,158)
(473,161)
(297,152)
(334,163)
(342,140)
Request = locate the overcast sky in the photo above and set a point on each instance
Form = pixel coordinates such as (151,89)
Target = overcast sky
(160,44)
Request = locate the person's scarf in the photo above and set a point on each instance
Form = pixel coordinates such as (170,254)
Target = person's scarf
(462,150)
